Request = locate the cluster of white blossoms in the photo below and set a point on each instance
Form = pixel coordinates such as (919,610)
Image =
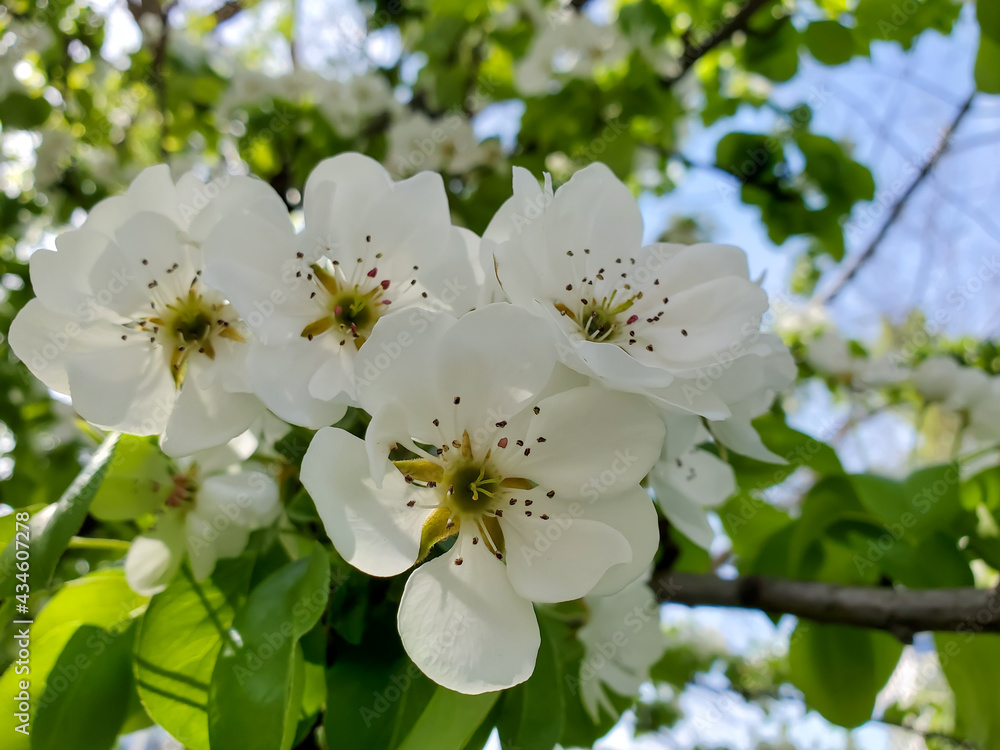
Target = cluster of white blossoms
(347,105)
(965,390)
(568,44)
(521,387)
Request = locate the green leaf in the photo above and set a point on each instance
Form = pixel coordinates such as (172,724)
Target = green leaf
(797,448)
(890,20)
(775,52)
(137,481)
(925,502)
(933,563)
(94,672)
(531,716)
(449,721)
(51,529)
(20,111)
(841,670)
(988,58)
(970,662)
(250,699)
(178,643)
(101,599)
(372,702)
(829,42)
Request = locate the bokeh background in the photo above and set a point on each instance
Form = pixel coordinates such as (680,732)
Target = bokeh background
(846,145)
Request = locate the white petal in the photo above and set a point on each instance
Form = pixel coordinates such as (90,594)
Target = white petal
(402,343)
(595,442)
(738,434)
(634,515)
(334,379)
(206,417)
(205,542)
(210,538)
(39,339)
(595,211)
(562,558)
(717,317)
(699,475)
(373,529)
(154,558)
(61,279)
(464,626)
(689,517)
(228,195)
(249,498)
(339,193)
(152,190)
(252,262)
(280,377)
(126,388)
(495,359)
(150,243)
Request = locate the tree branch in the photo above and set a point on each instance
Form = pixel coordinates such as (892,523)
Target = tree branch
(899,205)
(694,52)
(901,612)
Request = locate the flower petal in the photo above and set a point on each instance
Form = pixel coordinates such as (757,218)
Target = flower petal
(464,626)
(249,498)
(634,515)
(206,417)
(561,558)
(595,442)
(373,529)
(154,558)
(126,387)
(280,378)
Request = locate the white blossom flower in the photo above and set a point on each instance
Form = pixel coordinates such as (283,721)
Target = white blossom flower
(369,246)
(622,640)
(52,156)
(347,105)
(447,144)
(124,324)
(571,44)
(678,323)
(943,379)
(688,482)
(537,485)
(214,504)
(830,354)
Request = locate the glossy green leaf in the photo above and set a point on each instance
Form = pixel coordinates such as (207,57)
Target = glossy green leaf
(138,480)
(841,670)
(449,720)
(23,112)
(970,662)
(250,698)
(52,528)
(101,599)
(925,502)
(988,58)
(372,702)
(829,42)
(179,639)
(531,716)
(91,683)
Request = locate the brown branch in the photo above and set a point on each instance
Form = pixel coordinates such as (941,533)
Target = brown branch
(901,612)
(899,205)
(227,11)
(693,52)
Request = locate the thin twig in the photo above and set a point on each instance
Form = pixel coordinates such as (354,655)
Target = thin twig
(898,206)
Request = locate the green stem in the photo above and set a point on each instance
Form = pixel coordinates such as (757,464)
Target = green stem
(87,542)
